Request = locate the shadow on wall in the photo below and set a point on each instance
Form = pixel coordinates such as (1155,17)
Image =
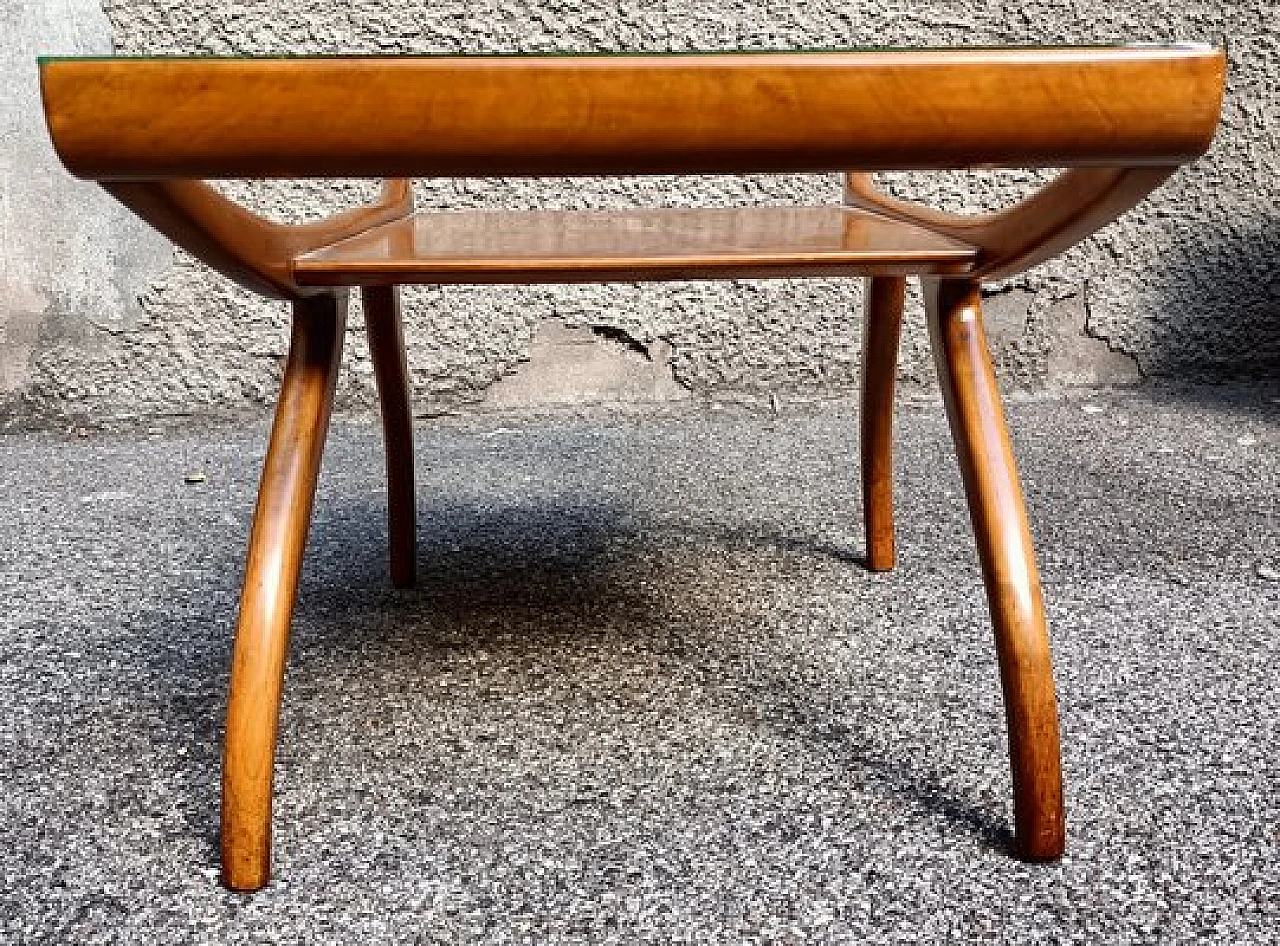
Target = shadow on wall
(1219,305)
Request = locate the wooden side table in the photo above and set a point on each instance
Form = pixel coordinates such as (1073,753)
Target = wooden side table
(1120,119)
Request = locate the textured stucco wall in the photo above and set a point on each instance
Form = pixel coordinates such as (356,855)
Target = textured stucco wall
(1186,284)
(72,261)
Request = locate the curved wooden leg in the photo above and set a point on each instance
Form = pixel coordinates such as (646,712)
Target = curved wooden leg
(386,347)
(280,525)
(881,331)
(1008,562)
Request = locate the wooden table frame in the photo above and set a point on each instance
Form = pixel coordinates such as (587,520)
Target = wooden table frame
(1121,119)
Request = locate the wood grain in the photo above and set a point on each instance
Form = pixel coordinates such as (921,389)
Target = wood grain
(1120,119)
(256,253)
(385,331)
(276,543)
(480,246)
(403,116)
(881,332)
(1077,203)
(1008,562)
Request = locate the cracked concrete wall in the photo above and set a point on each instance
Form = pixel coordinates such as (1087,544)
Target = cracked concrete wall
(1186,284)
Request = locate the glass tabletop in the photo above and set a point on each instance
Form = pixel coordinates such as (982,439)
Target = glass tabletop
(803,50)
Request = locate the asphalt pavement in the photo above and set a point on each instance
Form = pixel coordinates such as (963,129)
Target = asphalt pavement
(645,690)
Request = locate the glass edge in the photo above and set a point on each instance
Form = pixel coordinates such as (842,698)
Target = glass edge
(286,57)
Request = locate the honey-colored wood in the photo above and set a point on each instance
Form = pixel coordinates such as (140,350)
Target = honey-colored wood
(479,246)
(276,544)
(1059,215)
(881,333)
(385,331)
(1119,119)
(254,252)
(409,116)
(1008,562)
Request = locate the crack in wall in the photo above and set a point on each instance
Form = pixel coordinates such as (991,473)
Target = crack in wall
(569,364)
(622,338)
(1181,283)
(1091,331)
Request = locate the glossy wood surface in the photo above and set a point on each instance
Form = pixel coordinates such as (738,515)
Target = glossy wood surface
(131,119)
(276,543)
(1008,562)
(385,330)
(1119,119)
(1059,215)
(663,243)
(254,252)
(881,332)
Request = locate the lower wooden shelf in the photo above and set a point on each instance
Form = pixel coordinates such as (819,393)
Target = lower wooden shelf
(484,246)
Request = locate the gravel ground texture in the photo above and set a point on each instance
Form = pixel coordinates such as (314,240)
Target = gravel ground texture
(645,691)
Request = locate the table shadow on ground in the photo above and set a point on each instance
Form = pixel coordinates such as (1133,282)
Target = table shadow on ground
(519,577)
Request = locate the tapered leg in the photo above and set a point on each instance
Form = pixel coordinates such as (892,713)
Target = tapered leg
(386,347)
(280,524)
(881,331)
(1008,562)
